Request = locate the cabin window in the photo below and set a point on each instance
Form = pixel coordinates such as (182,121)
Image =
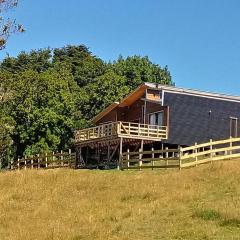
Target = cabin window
(233,127)
(156,118)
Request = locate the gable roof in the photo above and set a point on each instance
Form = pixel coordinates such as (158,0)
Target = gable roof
(127,101)
(139,91)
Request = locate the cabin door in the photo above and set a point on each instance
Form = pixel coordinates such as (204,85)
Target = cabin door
(233,127)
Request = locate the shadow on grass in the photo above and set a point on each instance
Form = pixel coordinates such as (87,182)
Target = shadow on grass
(213,215)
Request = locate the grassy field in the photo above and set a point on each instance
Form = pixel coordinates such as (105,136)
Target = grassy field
(197,203)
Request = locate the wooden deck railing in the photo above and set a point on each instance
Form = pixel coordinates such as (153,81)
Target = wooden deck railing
(122,129)
(182,157)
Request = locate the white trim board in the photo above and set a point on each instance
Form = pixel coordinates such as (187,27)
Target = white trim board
(191,92)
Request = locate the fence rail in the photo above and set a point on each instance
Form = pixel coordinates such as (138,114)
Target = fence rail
(47,160)
(182,157)
(124,129)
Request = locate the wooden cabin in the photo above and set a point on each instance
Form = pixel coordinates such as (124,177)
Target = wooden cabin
(155,115)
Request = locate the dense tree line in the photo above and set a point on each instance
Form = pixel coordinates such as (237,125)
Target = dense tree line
(46,94)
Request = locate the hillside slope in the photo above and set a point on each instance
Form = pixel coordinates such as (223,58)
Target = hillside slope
(197,203)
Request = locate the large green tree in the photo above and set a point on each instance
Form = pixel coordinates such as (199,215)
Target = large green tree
(85,67)
(137,69)
(36,60)
(106,89)
(45,109)
(46,94)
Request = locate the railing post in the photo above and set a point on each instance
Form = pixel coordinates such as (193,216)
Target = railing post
(196,151)
(129,127)
(153,157)
(32,161)
(98,131)
(118,128)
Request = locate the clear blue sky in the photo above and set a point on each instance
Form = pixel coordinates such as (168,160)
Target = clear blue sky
(198,39)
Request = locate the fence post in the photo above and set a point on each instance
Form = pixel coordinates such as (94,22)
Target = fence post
(231,145)
(180,157)
(140,158)
(53,157)
(46,160)
(153,158)
(61,158)
(18,163)
(11,166)
(32,161)
(211,148)
(167,155)
(38,161)
(196,151)
(128,158)
(25,162)
(70,157)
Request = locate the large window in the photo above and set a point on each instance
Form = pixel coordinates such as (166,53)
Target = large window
(233,127)
(156,118)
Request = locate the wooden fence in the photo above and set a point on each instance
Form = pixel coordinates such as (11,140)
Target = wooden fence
(182,157)
(47,161)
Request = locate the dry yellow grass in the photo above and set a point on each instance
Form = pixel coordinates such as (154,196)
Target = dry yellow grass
(197,203)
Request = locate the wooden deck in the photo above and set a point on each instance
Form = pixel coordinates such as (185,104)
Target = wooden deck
(124,130)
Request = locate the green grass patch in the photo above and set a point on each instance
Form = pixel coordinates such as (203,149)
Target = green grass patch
(207,214)
(232,222)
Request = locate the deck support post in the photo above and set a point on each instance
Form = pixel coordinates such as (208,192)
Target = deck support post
(98,154)
(145,108)
(120,153)
(108,152)
(87,154)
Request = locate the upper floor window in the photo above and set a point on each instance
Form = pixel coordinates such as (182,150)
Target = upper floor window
(156,118)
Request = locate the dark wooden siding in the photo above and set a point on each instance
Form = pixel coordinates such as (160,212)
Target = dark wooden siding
(134,113)
(110,117)
(191,120)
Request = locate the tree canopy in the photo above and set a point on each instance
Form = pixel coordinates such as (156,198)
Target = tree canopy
(46,94)
(7,25)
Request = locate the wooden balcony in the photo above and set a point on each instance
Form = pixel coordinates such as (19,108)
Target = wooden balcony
(122,129)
